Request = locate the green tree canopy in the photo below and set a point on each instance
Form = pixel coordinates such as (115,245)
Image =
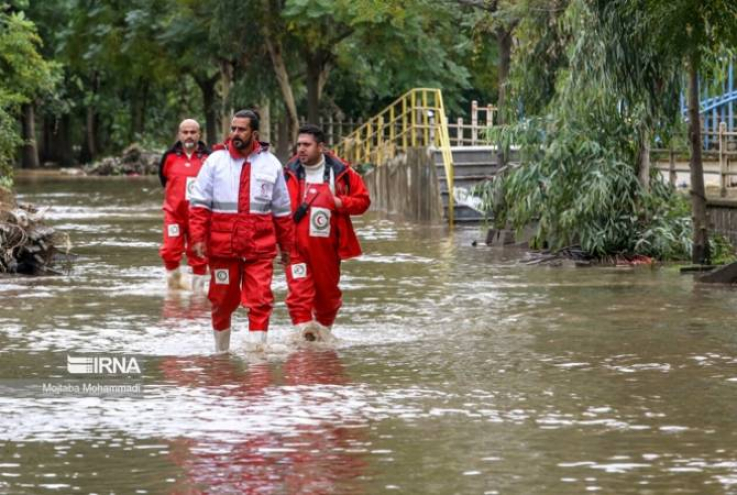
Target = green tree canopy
(25,75)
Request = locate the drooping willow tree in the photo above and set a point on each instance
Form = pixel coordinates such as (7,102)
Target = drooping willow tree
(596,84)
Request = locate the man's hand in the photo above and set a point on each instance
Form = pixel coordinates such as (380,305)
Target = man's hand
(285,258)
(199,249)
(338,202)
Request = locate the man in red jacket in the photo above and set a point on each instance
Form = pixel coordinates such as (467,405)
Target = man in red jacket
(239,211)
(178,170)
(324,192)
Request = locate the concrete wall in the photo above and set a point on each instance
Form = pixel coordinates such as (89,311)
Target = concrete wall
(723,217)
(407,186)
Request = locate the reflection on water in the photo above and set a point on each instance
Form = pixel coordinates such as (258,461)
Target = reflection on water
(456,371)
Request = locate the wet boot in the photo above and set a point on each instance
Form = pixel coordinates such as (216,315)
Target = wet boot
(174,279)
(222,341)
(256,341)
(306,332)
(199,284)
(323,333)
(297,335)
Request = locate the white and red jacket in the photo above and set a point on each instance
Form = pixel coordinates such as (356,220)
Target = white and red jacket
(240,206)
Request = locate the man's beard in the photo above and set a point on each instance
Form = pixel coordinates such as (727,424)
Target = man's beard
(241,144)
(189,144)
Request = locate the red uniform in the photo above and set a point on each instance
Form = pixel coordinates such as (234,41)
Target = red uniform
(323,237)
(177,172)
(240,209)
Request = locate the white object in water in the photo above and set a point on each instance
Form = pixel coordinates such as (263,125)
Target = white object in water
(222,340)
(255,341)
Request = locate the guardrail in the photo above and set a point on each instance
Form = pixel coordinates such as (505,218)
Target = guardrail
(724,153)
(415,119)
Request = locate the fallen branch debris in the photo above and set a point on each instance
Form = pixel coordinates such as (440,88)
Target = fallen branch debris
(27,246)
(575,256)
(133,161)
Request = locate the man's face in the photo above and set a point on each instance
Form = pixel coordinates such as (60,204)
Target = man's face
(241,134)
(189,134)
(308,149)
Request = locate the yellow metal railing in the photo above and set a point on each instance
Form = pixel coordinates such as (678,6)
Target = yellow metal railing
(415,119)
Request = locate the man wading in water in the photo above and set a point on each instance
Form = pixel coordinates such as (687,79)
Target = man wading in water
(240,211)
(324,192)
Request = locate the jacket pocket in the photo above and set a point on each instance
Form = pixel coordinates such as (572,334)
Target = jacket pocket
(220,244)
(264,235)
(263,187)
(221,236)
(243,237)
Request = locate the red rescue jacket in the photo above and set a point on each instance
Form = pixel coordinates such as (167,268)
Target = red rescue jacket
(177,173)
(351,190)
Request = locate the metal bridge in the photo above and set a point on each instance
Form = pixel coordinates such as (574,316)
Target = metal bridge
(717,105)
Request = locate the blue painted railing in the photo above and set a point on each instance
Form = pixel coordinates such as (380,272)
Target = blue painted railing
(716,108)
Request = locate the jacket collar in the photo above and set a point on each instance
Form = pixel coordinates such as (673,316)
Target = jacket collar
(256,147)
(296,168)
(199,150)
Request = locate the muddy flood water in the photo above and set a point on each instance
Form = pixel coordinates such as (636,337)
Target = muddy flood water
(457,371)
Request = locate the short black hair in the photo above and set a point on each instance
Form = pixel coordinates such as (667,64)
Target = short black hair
(314,130)
(251,115)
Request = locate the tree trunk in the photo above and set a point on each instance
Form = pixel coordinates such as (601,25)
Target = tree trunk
(29,154)
(504,41)
(55,145)
(63,141)
(138,109)
(643,165)
(282,77)
(318,69)
(313,96)
(226,81)
(207,86)
(91,122)
(282,142)
(42,144)
(91,134)
(265,111)
(701,253)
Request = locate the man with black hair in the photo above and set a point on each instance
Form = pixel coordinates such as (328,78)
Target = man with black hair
(324,192)
(239,212)
(178,170)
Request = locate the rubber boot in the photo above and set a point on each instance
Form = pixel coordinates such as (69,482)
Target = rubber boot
(174,279)
(308,331)
(256,341)
(323,333)
(199,284)
(222,341)
(311,331)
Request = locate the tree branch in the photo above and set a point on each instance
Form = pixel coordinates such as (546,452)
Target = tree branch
(480,4)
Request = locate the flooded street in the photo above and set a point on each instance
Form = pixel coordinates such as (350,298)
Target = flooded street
(456,371)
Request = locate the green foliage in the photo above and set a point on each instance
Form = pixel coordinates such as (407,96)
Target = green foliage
(396,46)
(723,251)
(578,179)
(9,142)
(25,76)
(577,184)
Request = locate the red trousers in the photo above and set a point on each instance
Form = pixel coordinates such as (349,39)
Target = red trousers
(313,279)
(176,236)
(234,282)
